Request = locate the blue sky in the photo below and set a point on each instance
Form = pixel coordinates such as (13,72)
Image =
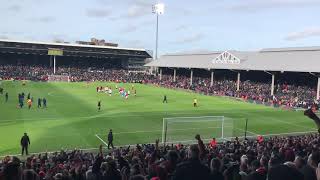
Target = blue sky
(203,25)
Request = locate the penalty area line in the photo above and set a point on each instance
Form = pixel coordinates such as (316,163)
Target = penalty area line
(101,139)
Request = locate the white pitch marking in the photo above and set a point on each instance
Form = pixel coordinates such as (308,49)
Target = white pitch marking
(101,140)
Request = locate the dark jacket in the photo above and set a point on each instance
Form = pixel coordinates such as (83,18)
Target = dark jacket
(216,175)
(309,172)
(191,170)
(110,137)
(25,141)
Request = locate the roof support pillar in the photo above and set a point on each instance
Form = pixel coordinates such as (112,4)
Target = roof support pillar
(272,84)
(211,83)
(50,61)
(54,64)
(318,88)
(174,74)
(160,74)
(238,82)
(318,85)
(191,76)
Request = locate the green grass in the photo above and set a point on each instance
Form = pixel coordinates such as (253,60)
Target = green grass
(72,120)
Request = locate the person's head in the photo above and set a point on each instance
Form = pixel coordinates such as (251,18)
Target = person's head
(58,176)
(25,134)
(281,172)
(274,161)
(110,130)
(299,162)
(137,177)
(244,160)
(314,159)
(193,152)
(12,171)
(173,156)
(254,165)
(161,172)
(215,164)
(135,170)
(29,175)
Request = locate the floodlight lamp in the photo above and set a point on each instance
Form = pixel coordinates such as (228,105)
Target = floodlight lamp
(158,8)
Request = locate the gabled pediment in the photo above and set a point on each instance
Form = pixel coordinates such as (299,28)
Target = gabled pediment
(226,58)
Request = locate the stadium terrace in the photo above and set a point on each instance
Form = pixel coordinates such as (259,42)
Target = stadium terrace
(99,99)
(271,61)
(38,53)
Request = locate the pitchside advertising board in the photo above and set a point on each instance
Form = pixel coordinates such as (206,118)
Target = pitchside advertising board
(55,52)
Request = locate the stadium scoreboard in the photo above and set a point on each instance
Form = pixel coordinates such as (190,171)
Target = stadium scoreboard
(55,52)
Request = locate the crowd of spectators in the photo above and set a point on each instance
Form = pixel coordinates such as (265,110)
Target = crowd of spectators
(23,72)
(290,96)
(273,158)
(276,158)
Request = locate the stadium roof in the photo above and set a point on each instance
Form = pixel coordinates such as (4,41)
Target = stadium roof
(41,48)
(305,59)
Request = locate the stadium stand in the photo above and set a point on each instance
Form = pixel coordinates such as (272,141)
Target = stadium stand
(273,157)
(232,160)
(286,95)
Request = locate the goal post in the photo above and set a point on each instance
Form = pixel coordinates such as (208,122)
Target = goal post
(184,129)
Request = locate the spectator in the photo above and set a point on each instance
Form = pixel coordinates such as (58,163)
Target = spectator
(192,168)
(215,167)
(282,172)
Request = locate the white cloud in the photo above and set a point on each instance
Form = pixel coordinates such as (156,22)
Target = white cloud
(257,5)
(194,51)
(45,19)
(14,8)
(138,8)
(181,27)
(192,38)
(144,3)
(98,12)
(309,32)
(135,11)
(134,43)
(129,29)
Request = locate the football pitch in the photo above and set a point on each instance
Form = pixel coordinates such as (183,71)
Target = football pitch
(72,120)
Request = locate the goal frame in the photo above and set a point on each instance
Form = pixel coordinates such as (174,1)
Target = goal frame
(165,124)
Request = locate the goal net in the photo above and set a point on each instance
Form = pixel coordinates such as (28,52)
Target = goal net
(52,78)
(184,129)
